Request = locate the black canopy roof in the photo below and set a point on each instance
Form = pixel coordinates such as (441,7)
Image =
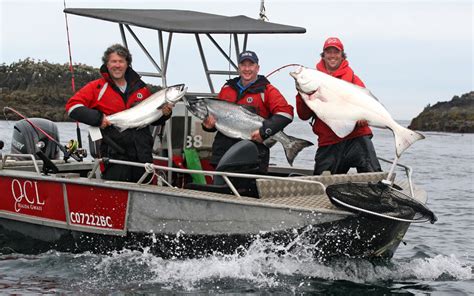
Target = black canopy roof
(184,21)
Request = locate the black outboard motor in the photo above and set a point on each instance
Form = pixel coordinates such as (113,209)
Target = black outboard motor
(27,140)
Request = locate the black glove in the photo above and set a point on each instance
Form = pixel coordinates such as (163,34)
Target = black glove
(87,115)
(273,125)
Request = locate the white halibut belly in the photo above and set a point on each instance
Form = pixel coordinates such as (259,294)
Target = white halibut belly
(341,104)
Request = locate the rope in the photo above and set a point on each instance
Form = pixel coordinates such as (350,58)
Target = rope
(149,168)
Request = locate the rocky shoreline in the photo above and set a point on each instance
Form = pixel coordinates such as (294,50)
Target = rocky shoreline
(455,116)
(41,89)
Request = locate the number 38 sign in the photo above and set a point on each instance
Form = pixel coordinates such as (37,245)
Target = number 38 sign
(194,141)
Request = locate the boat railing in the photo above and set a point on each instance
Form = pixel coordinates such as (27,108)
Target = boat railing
(408,171)
(152,168)
(34,160)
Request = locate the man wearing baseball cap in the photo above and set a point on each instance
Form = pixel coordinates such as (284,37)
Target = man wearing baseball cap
(335,154)
(255,92)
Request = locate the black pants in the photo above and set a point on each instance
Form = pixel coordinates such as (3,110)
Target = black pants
(339,158)
(130,145)
(118,172)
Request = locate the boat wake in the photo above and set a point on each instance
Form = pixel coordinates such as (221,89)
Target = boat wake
(260,267)
(263,266)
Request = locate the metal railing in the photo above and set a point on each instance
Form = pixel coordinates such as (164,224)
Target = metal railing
(408,172)
(35,162)
(151,168)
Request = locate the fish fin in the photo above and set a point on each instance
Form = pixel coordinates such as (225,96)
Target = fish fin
(341,128)
(293,147)
(313,96)
(404,138)
(367,91)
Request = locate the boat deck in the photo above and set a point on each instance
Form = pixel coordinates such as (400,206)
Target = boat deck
(281,193)
(288,193)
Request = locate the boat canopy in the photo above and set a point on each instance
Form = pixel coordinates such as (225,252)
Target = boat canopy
(185,21)
(199,24)
(169,22)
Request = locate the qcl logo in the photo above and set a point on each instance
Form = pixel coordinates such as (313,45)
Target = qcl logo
(26,195)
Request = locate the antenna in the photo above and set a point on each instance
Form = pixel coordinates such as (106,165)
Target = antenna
(262,15)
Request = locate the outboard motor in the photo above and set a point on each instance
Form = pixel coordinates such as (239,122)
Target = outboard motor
(27,140)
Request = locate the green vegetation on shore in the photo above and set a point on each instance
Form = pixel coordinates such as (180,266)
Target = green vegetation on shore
(40,88)
(455,116)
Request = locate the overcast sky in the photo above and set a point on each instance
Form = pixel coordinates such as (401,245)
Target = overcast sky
(408,53)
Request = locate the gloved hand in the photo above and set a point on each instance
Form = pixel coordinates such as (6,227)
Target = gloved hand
(167,109)
(362,123)
(209,122)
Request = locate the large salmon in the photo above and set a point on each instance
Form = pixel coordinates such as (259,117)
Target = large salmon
(146,111)
(235,121)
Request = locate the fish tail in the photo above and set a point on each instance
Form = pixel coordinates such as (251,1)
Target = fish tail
(120,128)
(293,147)
(404,138)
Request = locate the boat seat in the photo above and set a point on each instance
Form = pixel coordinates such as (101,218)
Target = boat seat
(278,188)
(242,157)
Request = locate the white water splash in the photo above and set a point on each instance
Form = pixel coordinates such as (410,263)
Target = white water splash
(262,268)
(439,267)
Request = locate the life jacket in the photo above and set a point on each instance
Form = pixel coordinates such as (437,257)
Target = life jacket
(103,95)
(261,96)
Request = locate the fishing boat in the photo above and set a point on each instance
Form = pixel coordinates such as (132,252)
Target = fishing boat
(189,210)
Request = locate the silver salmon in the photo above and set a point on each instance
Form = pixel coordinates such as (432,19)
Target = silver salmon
(147,111)
(235,121)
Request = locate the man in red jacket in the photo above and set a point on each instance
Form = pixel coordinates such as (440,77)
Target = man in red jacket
(335,154)
(255,92)
(119,89)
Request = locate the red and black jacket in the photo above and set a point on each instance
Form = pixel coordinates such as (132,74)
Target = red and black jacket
(102,97)
(261,97)
(325,135)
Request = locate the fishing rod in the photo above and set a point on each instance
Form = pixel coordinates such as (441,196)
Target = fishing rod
(71,69)
(68,150)
(283,67)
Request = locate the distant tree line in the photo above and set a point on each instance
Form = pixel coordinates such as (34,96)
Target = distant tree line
(41,89)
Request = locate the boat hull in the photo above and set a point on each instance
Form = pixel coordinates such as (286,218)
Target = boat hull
(353,237)
(40,213)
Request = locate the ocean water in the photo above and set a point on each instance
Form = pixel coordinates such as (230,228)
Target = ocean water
(435,259)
